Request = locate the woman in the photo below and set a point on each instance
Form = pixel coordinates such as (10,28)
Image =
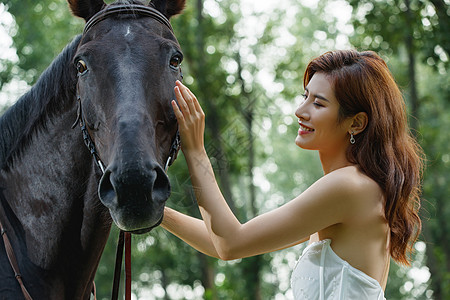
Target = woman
(362,212)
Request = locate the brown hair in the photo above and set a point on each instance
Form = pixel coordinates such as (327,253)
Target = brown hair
(385,150)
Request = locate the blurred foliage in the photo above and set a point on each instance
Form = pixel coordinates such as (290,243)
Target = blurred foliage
(415,37)
(43,29)
(249,84)
(383,26)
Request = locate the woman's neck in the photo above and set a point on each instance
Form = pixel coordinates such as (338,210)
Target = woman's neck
(333,161)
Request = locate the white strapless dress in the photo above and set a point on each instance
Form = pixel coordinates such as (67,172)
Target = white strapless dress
(320,274)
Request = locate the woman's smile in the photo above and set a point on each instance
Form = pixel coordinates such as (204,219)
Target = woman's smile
(304,129)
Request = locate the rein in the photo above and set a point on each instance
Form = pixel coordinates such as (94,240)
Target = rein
(124,237)
(13,262)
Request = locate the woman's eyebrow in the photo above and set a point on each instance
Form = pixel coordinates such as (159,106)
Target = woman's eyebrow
(318,96)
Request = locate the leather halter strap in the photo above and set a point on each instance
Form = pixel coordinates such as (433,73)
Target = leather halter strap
(135,9)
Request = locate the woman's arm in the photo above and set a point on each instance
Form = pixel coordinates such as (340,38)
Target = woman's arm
(191,230)
(327,202)
(194,232)
(191,122)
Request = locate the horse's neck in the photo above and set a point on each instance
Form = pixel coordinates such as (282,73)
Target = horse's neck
(45,185)
(49,187)
(51,94)
(51,191)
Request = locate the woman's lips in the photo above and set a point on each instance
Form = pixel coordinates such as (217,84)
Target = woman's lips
(304,129)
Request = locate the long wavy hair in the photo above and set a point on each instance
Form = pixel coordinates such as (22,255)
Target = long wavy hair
(386,150)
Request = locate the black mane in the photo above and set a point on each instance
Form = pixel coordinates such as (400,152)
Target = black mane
(53,92)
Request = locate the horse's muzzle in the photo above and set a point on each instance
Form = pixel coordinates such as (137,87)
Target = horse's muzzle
(135,196)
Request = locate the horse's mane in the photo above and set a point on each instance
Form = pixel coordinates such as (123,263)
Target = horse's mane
(52,93)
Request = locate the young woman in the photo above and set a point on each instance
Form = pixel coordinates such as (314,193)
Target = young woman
(362,212)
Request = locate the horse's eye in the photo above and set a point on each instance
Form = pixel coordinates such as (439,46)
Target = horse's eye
(175,62)
(81,67)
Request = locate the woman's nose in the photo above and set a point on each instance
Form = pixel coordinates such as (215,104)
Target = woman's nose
(301,112)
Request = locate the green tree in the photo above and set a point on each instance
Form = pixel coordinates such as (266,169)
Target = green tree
(416,34)
(43,29)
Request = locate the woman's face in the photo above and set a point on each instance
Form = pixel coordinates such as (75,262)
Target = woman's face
(318,118)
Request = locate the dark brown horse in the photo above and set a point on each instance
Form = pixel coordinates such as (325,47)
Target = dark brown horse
(116,80)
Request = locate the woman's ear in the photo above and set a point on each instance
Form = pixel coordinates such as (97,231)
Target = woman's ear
(359,123)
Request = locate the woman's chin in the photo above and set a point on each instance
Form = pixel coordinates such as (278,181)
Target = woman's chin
(300,142)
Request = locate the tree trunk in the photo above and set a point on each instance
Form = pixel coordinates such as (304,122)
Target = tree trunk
(253,264)
(432,260)
(213,147)
(441,9)
(208,275)
(164,283)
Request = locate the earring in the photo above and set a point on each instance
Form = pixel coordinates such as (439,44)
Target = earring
(352,139)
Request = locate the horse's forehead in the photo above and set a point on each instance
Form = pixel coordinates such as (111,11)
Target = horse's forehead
(145,30)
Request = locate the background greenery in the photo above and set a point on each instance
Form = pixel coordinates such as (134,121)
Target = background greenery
(246,69)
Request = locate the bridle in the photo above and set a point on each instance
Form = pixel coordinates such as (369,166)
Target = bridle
(173,151)
(124,237)
(135,9)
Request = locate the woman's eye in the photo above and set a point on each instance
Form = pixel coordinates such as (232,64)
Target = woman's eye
(81,67)
(303,99)
(175,62)
(317,104)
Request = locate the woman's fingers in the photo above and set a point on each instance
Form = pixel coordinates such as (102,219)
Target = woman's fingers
(177,111)
(195,105)
(188,106)
(188,97)
(187,110)
(184,108)
(190,118)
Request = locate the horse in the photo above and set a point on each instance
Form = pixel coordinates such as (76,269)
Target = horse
(57,203)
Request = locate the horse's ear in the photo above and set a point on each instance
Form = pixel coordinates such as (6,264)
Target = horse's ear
(85,8)
(169,8)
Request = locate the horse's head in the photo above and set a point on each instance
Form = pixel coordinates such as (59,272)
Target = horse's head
(128,61)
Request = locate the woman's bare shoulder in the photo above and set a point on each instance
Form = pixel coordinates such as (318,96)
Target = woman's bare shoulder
(359,190)
(352,178)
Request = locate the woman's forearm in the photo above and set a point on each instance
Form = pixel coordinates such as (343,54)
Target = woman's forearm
(191,230)
(220,222)
(217,215)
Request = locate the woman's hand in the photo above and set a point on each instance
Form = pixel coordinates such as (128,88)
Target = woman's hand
(191,119)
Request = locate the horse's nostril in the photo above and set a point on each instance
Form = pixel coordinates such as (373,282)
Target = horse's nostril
(106,190)
(161,186)
(153,186)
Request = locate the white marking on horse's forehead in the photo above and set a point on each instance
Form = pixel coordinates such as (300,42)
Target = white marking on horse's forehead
(128,30)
